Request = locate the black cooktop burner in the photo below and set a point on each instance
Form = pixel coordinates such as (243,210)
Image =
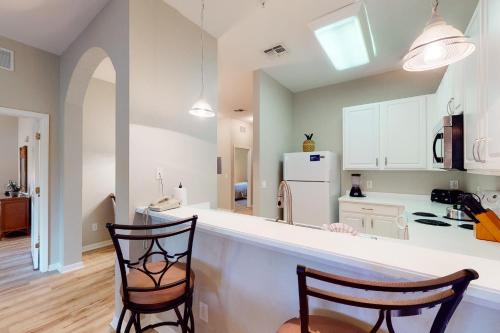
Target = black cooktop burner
(424,214)
(467,226)
(433,222)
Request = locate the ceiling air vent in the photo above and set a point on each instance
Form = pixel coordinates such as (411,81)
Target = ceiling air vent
(6,59)
(276,51)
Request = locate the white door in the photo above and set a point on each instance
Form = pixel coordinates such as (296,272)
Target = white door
(357,221)
(361,137)
(472,94)
(315,166)
(311,203)
(489,149)
(34,177)
(404,133)
(384,226)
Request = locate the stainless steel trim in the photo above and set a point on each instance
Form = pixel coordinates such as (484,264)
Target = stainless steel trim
(448,147)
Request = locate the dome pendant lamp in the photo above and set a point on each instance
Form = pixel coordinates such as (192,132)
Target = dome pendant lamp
(440,44)
(201,108)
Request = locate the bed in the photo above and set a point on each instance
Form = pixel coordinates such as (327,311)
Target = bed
(240,191)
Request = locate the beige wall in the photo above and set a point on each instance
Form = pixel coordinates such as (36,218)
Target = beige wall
(319,111)
(34,86)
(98,178)
(8,151)
(273,128)
(240,165)
(165,81)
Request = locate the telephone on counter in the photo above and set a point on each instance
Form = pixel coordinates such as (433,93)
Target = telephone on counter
(163,204)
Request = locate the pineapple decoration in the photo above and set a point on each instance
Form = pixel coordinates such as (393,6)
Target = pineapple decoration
(309,145)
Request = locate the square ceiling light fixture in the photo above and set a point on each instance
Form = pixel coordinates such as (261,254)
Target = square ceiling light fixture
(345,35)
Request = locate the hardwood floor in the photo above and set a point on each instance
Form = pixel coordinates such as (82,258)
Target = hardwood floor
(78,302)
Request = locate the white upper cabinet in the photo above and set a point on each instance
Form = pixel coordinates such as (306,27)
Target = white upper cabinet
(361,137)
(472,105)
(390,135)
(488,150)
(404,133)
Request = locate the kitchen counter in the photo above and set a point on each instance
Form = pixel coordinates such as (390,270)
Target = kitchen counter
(398,258)
(451,239)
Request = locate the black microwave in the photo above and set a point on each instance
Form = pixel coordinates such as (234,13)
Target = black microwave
(448,143)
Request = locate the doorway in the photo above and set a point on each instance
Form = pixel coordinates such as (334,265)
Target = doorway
(25,201)
(242,180)
(98,157)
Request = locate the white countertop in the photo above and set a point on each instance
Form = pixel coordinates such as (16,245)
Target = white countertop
(450,239)
(387,256)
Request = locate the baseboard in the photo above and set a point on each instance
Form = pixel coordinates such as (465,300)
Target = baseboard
(54,267)
(96,246)
(70,268)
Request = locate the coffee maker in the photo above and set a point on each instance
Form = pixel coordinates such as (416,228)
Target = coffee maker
(356,186)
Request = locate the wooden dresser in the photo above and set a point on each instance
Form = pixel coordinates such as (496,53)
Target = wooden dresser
(14,215)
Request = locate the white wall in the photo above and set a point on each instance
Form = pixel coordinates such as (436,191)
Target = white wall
(319,111)
(98,160)
(230,133)
(106,36)
(34,86)
(273,128)
(9,152)
(240,165)
(165,81)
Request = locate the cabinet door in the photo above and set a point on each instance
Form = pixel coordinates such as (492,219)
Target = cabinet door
(357,221)
(489,149)
(472,94)
(361,137)
(384,226)
(404,133)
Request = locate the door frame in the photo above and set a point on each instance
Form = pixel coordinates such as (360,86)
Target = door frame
(249,176)
(44,157)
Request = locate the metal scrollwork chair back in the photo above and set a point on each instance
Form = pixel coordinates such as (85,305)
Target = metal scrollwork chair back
(158,278)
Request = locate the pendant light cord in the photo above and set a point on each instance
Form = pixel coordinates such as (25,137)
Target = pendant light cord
(202,20)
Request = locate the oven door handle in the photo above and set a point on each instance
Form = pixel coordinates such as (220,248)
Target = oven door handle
(437,159)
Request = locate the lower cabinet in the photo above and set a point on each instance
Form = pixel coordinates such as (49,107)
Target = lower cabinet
(377,220)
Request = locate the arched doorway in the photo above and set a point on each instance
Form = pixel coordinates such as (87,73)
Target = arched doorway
(73,155)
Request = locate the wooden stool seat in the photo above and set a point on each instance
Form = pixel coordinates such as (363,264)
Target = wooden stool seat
(321,324)
(176,273)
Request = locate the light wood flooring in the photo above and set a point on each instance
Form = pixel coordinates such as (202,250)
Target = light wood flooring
(78,302)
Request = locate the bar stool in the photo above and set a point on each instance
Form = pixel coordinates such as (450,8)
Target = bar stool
(447,292)
(159,280)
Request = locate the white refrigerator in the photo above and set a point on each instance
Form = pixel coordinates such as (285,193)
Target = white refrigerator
(314,181)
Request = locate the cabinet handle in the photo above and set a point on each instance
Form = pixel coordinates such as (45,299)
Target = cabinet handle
(371,222)
(363,208)
(363,223)
(386,161)
(474,150)
(376,162)
(479,150)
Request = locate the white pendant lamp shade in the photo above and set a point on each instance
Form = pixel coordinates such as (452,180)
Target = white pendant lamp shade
(439,45)
(202,109)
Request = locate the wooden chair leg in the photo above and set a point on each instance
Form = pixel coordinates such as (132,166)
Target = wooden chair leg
(120,321)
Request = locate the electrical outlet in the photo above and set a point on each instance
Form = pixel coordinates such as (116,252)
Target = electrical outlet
(369,184)
(454,184)
(204,312)
(94,226)
(159,173)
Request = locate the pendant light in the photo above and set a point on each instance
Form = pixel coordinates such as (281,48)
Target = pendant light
(201,108)
(440,44)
